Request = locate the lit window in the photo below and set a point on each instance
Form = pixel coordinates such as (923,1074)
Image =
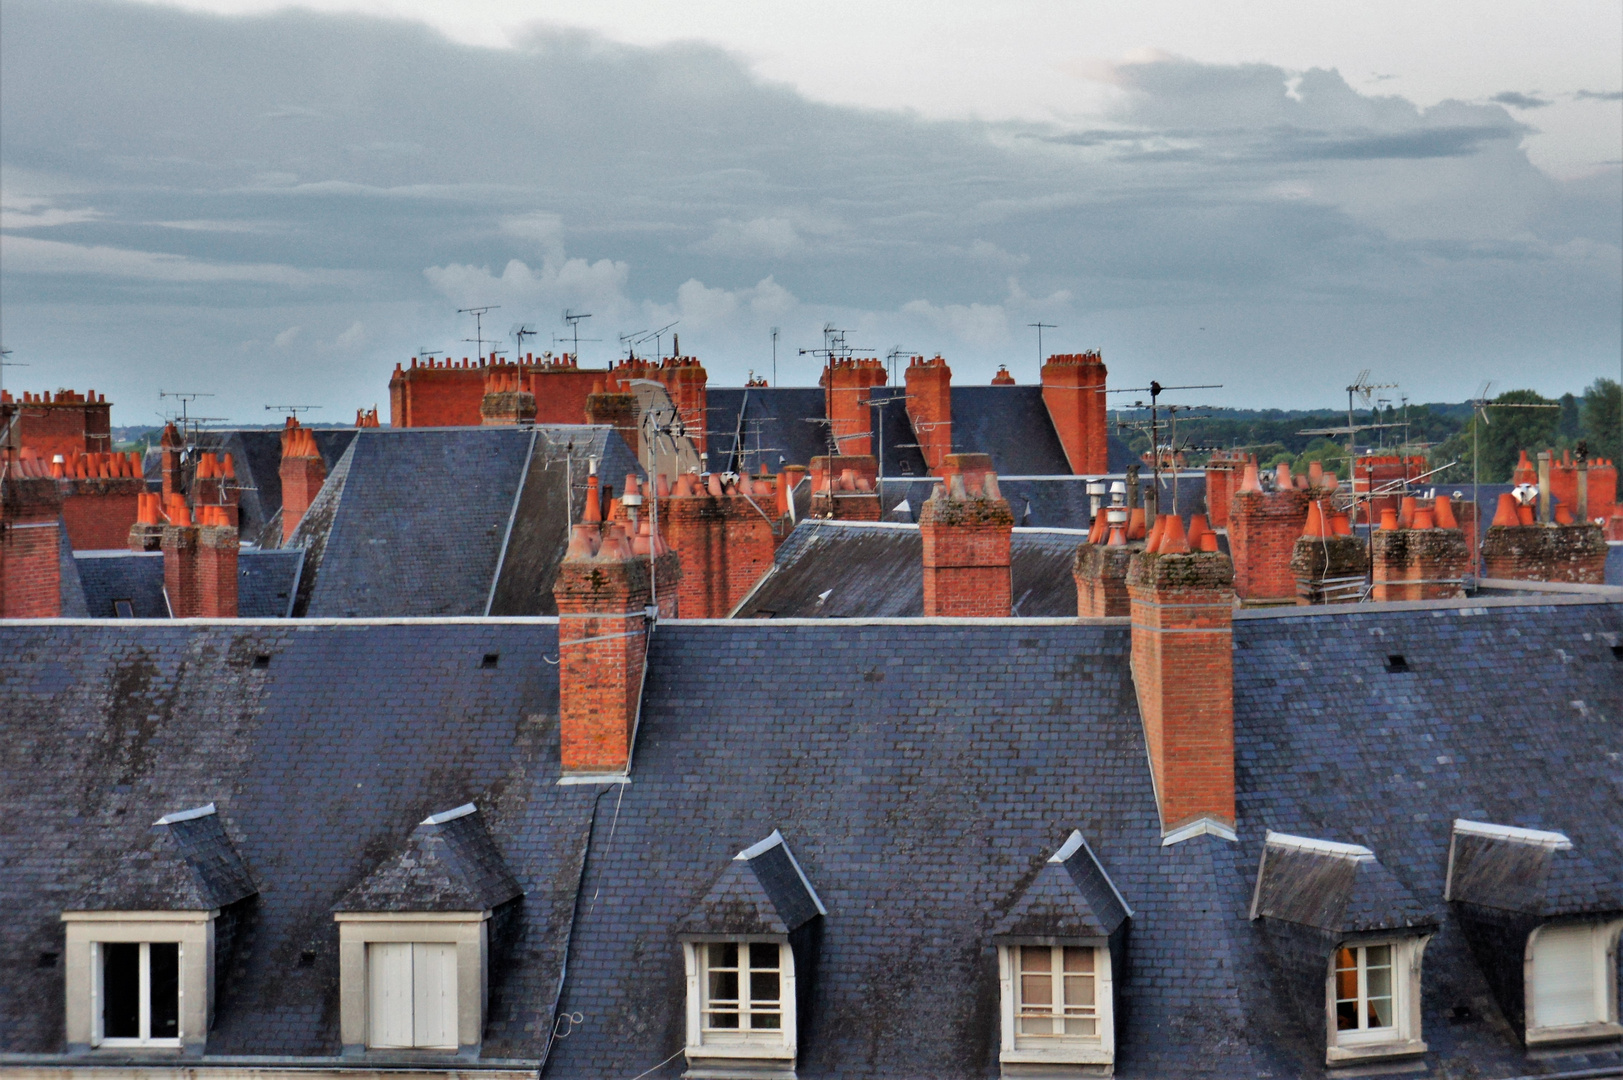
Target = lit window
(1058,994)
(138,993)
(1364,988)
(743,986)
(1374,1000)
(1570,968)
(411,990)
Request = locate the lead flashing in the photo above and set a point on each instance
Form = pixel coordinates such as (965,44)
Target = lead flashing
(1206,826)
(450,815)
(185,815)
(1538,837)
(1355,852)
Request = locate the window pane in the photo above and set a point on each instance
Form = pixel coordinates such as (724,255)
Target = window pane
(1037,959)
(1346,990)
(1036,991)
(764,955)
(165,969)
(723,1019)
(724,954)
(1378,986)
(1079,1025)
(1036,1025)
(766,1021)
(723,987)
(1078,959)
(763,988)
(120,990)
(1078,991)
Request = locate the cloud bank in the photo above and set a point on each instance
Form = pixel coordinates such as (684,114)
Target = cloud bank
(248,204)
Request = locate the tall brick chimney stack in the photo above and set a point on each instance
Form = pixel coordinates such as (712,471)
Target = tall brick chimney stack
(602,592)
(845,488)
(1223,471)
(147,532)
(723,531)
(846,384)
(1074,391)
(199,562)
(170,448)
(303,472)
(929,406)
(614,408)
(1263,527)
(66,422)
(30,544)
(967,529)
(1183,668)
(1425,560)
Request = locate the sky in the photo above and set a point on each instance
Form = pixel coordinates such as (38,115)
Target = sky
(274,205)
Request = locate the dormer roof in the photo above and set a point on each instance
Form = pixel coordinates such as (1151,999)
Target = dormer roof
(448,864)
(190,866)
(1330,886)
(762,891)
(1525,871)
(1071,897)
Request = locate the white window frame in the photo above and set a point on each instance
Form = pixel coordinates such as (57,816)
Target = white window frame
(87,931)
(704,1042)
(467,930)
(1603,938)
(144,990)
(1018,1049)
(1403,1037)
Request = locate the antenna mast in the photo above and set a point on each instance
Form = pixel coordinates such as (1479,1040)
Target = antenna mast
(478,314)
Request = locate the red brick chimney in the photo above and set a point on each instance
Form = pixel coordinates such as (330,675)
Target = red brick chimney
(1425,561)
(1263,527)
(147,532)
(366,417)
(170,449)
(507,400)
(929,406)
(724,532)
(846,384)
(66,423)
(1074,391)
(1518,548)
(99,493)
(1329,562)
(845,488)
(1183,668)
(616,409)
(30,545)
(303,472)
(1003,378)
(602,592)
(967,529)
(1223,472)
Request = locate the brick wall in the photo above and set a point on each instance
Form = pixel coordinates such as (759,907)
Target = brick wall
(929,406)
(967,531)
(30,548)
(1263,527)
(506,401)
(216,568)
(1183,668)
(98,513)
(614,409)
(66,422)
(1073,390)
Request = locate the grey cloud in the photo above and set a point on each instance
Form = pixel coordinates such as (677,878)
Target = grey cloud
(1599,95)
(1520,101)
(320,172)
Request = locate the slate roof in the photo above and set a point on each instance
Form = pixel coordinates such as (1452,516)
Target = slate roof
(266,583)
(1342,892)
(190,865)
(873,570)
(923,771)
(1071,897)
(762,891)
(449,863)
(1049,502)
(400,528)
(1527,876)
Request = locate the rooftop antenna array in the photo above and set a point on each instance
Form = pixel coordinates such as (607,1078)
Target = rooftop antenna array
(1041,326)
(291,410)
(518,333)
(1365,391)
(478,314)
(574,318)
(1480,406)
(895,354)
(834,348)
(188,423)
(1153,425)
(774,356)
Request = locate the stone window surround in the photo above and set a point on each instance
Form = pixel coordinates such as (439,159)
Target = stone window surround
(1606,934)
(1099,1051)
(193,930)
(468,930)
(1407,951)
(767,1047)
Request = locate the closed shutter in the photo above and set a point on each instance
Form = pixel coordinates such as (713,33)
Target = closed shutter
(434,995)
(389,981)
(1564,982)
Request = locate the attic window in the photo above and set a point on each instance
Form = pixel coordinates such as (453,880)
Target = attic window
(1570,968)
(261,662)
(1396,664)
(1376,1010)
(491,660)
(124,609)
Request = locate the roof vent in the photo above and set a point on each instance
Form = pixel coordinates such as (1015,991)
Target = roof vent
(1396,664)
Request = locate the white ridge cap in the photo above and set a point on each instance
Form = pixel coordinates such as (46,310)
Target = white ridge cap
(1542,838)
(1356,852)
(185,815)
(450,815)
(1068,849)
(759,847)
(776,840)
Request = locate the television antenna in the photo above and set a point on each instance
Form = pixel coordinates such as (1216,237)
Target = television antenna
(519,332)
(291,410)
(774,356)
(1155,390)
(574,318)
(478,314)
(1041,326)
(424,353)
(12,418)
(1480,406)
(895,354)
(659,352)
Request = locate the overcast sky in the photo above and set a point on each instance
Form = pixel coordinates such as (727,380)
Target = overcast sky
(275,206)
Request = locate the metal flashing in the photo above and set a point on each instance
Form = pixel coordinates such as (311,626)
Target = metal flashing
(593,778)
(451,815)
(1205,826)
(185,815)
(1356,852)
(1511,834)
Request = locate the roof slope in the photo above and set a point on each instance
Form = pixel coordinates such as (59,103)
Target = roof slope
(256,454)
(318,763)
(1507,714)
(923,773)
(266,581)
(877,571)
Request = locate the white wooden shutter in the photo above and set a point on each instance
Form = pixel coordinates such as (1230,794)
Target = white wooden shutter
(434,995)
(1564,983)
(389,982)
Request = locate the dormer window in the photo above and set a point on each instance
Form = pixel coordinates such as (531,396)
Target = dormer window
(1058,949)
(1344,931)
(1541,927)
(417,938)
(144,944)
(748,949)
